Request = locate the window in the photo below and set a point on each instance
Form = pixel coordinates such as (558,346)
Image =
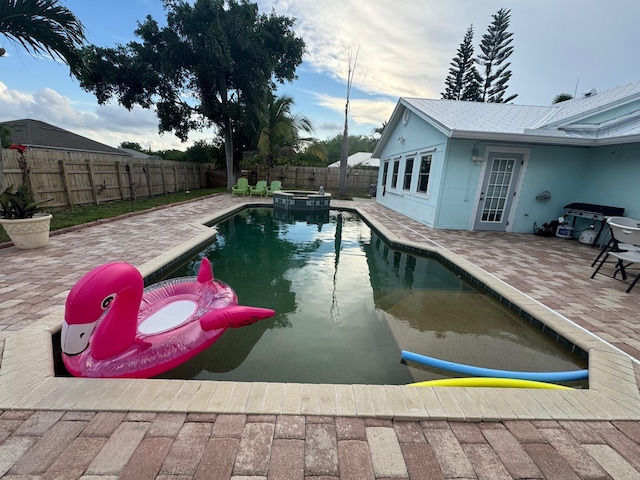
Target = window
(394,176)
(385,171)
(423,176)
(408,171)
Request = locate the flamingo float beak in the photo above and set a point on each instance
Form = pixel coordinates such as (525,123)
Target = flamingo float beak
(75,337)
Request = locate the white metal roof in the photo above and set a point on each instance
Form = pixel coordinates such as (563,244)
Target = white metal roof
(560,121)
(362,159)
(479,117)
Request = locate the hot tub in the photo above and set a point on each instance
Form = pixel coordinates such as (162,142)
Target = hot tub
(301,200)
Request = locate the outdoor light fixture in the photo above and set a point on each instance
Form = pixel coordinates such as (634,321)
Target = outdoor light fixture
(475,158)
(400,139)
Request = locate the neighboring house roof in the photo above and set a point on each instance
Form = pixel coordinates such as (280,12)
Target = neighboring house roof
(359,159)
(136,153)
(37,134)
(597,118)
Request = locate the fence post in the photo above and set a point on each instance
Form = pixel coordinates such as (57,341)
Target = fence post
(147,173)
(175,178)
(131,182)
(92,183)
(163,174)
(65,184)
(120,184)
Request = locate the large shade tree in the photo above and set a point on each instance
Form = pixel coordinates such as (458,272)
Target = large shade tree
(42,27)
(212,62)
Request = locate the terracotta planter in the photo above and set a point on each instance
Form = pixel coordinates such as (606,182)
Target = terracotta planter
(28,232)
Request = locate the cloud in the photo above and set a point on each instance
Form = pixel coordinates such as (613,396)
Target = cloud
(108,124)
(402,49)
(361,111)
(405,48)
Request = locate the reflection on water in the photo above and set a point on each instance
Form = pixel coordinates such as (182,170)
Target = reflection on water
(346,305)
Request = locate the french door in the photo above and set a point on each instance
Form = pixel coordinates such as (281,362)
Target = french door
(498,190)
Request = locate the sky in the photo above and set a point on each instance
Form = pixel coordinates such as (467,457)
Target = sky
(396,49)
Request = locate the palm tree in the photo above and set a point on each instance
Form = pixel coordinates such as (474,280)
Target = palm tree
(279,129)
(42,27)
(561,97)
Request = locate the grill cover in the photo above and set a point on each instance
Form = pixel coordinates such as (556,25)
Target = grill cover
(601,209)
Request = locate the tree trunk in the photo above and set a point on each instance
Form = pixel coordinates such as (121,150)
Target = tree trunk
(344,153)
(228,153)
(228,134)
(1,168)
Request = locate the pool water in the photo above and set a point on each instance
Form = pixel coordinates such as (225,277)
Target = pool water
(346,305)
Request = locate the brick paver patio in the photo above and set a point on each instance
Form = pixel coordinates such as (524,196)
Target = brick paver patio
(72,443)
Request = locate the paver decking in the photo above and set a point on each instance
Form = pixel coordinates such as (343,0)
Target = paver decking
(56,428)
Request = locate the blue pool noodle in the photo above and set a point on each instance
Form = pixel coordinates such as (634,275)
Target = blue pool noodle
(568,376)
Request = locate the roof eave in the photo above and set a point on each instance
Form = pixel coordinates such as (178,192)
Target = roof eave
(519,137)
(593,111)
(66,149)
(395,118)
(542,139)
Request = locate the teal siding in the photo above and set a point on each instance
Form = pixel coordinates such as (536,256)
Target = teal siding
(420,138)
(613,175)
(560,171)
(608,175)
(456,203)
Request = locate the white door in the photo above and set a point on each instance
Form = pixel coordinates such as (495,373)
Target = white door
(498,190)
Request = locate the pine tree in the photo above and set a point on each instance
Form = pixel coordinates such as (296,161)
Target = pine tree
(463,81)
(496,49)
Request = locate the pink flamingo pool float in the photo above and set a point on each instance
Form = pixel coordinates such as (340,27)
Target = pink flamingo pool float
(114,327)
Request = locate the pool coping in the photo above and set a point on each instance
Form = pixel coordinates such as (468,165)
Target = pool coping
(27,379)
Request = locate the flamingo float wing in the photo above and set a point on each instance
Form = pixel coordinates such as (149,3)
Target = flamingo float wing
(234,316)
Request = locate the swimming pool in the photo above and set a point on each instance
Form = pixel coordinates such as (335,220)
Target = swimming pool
(347,304)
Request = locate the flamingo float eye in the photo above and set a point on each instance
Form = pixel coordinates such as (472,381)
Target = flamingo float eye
(107,301)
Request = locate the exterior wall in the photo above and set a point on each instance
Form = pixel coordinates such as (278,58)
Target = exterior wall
(612,177)
(599,175)
(560,171)
(460,186)
(607,175)
(419,138)
(554,169)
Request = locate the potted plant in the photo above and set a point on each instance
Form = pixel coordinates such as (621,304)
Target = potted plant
(20,214)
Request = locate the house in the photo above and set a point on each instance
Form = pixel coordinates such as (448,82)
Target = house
(359,159)
(489,166)
(37,134)
(137,153)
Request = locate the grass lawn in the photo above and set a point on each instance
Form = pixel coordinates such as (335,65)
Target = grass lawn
(85,214)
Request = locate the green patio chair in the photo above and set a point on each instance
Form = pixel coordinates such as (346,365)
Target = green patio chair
(241,187)
(274,187)
(259,189)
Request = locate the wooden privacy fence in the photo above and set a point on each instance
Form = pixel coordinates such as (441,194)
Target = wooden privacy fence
(78,178)
(359,180)
(69,178)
